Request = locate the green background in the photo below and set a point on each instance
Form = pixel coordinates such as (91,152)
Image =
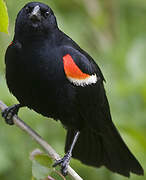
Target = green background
(114,34)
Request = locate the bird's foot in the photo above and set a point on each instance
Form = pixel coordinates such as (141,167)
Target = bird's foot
(63,162)
(9,112)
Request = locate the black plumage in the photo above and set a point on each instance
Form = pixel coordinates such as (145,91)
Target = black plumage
(36,76)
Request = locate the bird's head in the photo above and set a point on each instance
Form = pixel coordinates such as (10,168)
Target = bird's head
(35,17)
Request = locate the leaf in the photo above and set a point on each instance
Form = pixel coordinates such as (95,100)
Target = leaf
(44,160)
(41,158)
(39,171)
(41,165)
(4,19)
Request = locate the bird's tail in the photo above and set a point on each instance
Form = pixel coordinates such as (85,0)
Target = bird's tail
(107,148)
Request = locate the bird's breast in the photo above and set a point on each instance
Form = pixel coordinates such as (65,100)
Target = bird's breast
(37,79)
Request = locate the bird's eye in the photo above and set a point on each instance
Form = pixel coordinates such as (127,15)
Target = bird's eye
(46,14)
(27,9)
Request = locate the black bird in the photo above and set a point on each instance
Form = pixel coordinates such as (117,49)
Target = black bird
(49,73)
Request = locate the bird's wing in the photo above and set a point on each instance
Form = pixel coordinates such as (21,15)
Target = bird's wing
(80,69)
(84,74)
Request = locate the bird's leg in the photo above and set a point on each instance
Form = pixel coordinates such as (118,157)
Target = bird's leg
(9,112)
(64,162)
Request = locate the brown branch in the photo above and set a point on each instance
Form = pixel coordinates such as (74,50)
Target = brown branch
(51,152)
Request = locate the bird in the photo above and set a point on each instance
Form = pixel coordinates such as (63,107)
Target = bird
(49,73)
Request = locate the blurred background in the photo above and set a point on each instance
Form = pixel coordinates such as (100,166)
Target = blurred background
(114,34)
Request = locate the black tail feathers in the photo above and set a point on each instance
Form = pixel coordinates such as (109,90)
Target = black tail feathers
(107,148)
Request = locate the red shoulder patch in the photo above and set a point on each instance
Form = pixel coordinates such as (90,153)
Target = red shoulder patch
(72,70)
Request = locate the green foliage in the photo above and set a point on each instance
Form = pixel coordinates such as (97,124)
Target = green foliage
(114,34)
(42,167)
(44,160)
(39,170)
(4,21)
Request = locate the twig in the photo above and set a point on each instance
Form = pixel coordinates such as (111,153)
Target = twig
(51,152)
(49,178)
(60,175)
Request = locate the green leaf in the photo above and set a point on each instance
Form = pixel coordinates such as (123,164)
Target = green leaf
(44,160)
(4,20)
(39,171)
(41,165)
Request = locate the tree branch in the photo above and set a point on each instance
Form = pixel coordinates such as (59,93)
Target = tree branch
(51,152)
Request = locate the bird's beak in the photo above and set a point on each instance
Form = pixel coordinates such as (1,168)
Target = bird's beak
(35,14)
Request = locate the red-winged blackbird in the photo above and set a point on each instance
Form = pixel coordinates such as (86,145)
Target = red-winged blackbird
(49,73)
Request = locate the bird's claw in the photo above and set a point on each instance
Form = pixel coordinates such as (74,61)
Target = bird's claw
(9,112)
(63,162)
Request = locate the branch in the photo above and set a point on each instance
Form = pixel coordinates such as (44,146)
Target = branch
(51,152)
